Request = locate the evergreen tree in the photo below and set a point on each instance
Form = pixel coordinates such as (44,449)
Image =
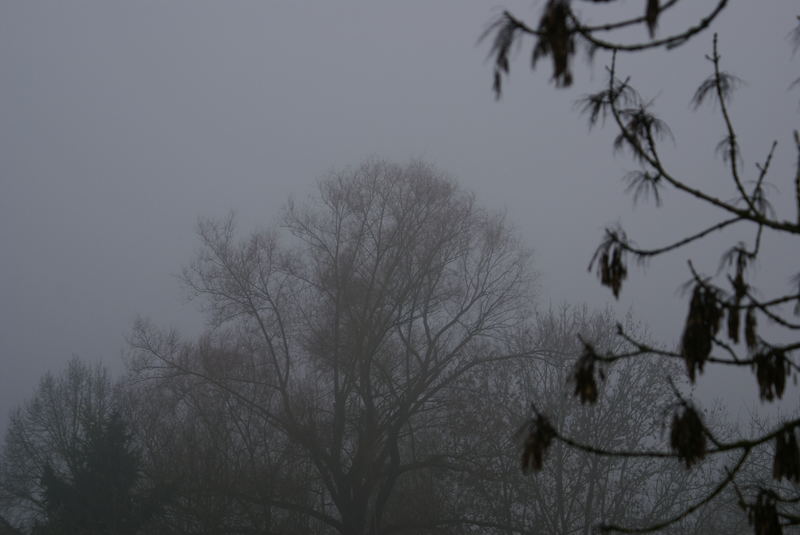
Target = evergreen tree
(100,493)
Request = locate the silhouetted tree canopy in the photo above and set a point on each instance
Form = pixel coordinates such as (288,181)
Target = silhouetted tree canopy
(726,311)
(69,464)
(99,495)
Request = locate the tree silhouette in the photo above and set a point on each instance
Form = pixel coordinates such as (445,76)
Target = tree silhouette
(561,31)
(724,311)
(69,464)
(100,495)
(344,337)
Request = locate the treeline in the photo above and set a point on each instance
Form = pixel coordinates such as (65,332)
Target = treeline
(366,369)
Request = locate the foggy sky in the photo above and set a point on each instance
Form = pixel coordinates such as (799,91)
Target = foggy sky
(123,122)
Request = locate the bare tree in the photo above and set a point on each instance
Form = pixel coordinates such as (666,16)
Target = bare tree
(209,446)
(346,338)
(572,492)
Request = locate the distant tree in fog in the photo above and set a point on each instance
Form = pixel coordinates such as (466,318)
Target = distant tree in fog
(69,465)
(573,491)
(46,431)
(340,338)
(100,494)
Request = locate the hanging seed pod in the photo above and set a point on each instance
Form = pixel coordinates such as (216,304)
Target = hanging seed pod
(687,436)
(537,435)
(556,39)
(787,457)
(702,324)
(739,285)
(771,371)
(739,292)
(763,515)
(733,324)
(618,271)
(612,270)
(583,375)
(651,16)
(604,270)
(610,260)
(750,336)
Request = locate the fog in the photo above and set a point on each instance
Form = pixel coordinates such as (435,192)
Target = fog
(123,122)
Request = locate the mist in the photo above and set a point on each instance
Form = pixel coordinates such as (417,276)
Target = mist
(125,124)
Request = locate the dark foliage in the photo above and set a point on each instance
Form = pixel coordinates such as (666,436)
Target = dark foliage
(739,257)
(741,343)
(643,184)
(717,87)
(687,436)
(598,105)
(536,435)
(584,375)
(701,327)
(505,31)
(750,336)
(641,130)
(651,16)
(610,258)
(556,39)
(787,457)
(772,368)
(560,29)
(99,496)
(763,514)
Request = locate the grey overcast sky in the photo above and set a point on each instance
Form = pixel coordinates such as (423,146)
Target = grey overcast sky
(122,122)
